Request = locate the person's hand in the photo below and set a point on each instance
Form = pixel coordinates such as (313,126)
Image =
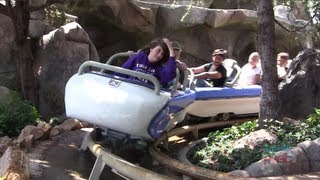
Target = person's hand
(169,44)
(182,66)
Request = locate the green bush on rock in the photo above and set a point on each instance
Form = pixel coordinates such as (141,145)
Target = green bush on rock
(15,114)
(219,154)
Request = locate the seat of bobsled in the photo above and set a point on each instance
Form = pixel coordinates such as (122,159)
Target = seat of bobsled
(233,71)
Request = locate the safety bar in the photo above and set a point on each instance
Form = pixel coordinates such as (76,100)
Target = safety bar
(189,78)
(121,166)
(238,69)
(119,55)
(130,53)
(176,81)
(121,70)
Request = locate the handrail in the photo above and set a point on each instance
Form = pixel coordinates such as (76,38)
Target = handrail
(176,81)
(121,70)
(119,55)
(190,79)
(122,167)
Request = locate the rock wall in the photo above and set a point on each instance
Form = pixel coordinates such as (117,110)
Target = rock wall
(128,25)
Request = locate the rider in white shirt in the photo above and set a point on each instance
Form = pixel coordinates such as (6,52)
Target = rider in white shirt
(251,72)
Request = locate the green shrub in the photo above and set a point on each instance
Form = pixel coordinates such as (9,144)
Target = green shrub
(220,155)
(15,114)
(54,121)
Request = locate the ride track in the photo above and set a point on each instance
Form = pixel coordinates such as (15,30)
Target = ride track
(129,170)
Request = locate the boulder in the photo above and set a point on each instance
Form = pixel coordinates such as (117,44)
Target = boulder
(265,167)
(312,150)
(256,138)
(292,161)
(70,124)
(5,142)
(240,173)
(14,165)
(300,92)
(63,51)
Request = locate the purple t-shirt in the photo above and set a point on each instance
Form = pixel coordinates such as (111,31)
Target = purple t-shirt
(164,73)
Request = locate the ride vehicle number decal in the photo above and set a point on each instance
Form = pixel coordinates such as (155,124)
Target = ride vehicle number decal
(114,82)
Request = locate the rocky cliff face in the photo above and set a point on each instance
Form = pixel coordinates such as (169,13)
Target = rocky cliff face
(128,25)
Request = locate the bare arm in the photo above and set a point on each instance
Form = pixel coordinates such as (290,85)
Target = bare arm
(206,75)
(169,44)
(197,70)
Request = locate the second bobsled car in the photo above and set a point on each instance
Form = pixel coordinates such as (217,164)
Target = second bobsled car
(123,106)
(221,102)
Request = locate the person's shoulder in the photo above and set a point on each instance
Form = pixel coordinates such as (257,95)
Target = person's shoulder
(223,69)
(258,68)
(207,64)
(246,66)
(140,55)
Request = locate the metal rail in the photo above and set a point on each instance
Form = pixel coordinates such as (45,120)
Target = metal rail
(122,167)
(108,67)
(184,168)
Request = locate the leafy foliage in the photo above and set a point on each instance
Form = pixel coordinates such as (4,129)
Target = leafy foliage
(55,15)
(15,114)
(54,121)
(219,154)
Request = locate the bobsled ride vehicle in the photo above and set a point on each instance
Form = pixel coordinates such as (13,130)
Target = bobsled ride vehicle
(123,107)
(220,103)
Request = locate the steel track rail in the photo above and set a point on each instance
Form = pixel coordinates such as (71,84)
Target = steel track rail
(184,168)
(121,166)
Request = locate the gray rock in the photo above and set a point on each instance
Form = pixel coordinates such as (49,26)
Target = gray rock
(240,173)
(255,138)
(292,161)
(63,51)
(299,92)
(14,164)
(312,150)
(265,167)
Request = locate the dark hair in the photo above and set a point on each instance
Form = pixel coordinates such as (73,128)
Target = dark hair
(162,44)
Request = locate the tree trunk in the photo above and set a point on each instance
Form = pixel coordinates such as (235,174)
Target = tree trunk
(22,50)
(269,104)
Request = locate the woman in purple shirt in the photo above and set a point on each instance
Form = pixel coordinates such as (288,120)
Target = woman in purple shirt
(156,59)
